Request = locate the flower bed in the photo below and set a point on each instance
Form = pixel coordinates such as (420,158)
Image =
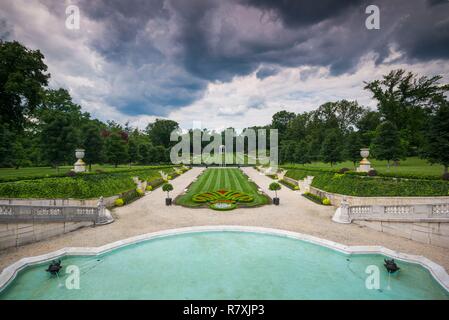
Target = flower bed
(317,199)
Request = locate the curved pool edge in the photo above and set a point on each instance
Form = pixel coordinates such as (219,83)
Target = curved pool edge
(437,271)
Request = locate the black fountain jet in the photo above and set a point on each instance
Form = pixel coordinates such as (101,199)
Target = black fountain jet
(54,267)
(391,266)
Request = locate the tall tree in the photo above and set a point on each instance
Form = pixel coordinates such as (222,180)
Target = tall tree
(93,143)
(437,150)
(160,130)
(302,153)
(280,122)
(59,139)
(22,78)
(353,144)
(405,99)
(387,143)
(116,148)
(331,149)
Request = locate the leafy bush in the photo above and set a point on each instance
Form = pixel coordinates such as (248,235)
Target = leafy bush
(149,188)
(289,184)
(140,192)
(154,183)
(343,170)
(365,186)
(372,173)
(83,186)
(317,199)
(119,202)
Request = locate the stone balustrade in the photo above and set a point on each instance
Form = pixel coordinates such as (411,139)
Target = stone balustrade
(21,213)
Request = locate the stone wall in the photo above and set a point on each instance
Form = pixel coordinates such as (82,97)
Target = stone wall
(109,202)
(17,234)
(435,233)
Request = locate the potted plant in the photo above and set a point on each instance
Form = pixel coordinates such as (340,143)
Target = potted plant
(167,187)
(274,186)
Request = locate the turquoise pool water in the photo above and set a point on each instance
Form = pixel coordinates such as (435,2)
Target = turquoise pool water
(225,265)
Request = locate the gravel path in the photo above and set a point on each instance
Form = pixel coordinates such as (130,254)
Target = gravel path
(295,213)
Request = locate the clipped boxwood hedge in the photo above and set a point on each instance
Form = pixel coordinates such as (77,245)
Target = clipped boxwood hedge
(84,186)
(289,184)
(364,186)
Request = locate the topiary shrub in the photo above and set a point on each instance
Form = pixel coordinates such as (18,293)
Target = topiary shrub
(119,202)
(343,170)
(326,201)
(372,173)
(149,188)
(140,192)
(445,176)
(167,187)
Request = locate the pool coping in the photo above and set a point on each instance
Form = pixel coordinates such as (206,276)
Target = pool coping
(437,271)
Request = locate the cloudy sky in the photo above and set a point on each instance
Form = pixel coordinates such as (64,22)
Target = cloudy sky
(225,62)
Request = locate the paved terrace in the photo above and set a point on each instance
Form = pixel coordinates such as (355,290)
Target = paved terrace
(295,213)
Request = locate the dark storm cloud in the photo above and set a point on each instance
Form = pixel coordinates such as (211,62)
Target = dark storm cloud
(296,13)
(210,40)
(265,72)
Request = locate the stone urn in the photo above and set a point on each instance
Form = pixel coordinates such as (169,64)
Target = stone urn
(79,166)
(365,165)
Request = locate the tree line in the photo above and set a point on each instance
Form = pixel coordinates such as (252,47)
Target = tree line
(412,119)
(43,126)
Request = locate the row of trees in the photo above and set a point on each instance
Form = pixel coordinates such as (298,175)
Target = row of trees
(412,119)
(43,126)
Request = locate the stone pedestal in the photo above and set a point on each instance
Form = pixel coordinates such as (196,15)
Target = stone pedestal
(79,166)
(365,165)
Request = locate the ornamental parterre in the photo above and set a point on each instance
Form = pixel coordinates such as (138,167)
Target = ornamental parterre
(222,199)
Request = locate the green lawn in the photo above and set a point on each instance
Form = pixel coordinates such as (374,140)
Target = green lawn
(215,179)
(413,166)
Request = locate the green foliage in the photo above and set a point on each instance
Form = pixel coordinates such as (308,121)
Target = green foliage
(289,184)
(159,132)
(403,98)
(119,202)
(149,188)
(140,192)
(274,186)
(437,148)
(364,186)
(317,199)
(82,186)
(352,146)
(116,148)
(22,78)
(387,143)
(167,187)
(331,149)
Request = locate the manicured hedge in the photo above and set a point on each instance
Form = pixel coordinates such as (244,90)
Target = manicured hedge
(399,175)
(289,184)
(83,186)
(96,172)
(357,185)
(316,199)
